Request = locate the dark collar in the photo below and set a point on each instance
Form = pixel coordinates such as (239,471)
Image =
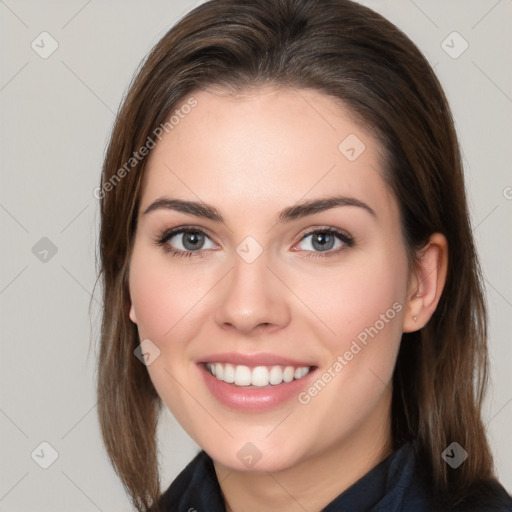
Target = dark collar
(391,486)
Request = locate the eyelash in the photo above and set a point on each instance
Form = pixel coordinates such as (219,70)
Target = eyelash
(165,236)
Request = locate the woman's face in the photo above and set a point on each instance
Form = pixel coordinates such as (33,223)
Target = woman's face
(286,262)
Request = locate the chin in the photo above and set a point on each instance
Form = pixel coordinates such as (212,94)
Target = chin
(257,457)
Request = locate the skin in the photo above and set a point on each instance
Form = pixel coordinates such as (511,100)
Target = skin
(251,156)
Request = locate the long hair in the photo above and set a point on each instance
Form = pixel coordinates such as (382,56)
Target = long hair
(360,59)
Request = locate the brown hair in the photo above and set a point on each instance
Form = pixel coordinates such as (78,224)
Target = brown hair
(355,56)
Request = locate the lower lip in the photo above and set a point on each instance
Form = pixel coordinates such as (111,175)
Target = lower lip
(253,399)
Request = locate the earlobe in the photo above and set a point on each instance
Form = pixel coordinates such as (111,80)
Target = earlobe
(427,283)
(133,316)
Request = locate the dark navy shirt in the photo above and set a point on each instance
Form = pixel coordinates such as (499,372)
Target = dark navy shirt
(394,485)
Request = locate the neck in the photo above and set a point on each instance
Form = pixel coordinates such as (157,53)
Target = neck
(314,481)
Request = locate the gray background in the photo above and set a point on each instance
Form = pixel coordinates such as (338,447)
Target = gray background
(56,115)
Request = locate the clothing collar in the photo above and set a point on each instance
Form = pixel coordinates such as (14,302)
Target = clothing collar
(391,486)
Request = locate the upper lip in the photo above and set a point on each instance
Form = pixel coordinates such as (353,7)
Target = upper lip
(252,360)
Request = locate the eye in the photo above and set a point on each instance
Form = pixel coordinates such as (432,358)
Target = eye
(185,241)
(327,240)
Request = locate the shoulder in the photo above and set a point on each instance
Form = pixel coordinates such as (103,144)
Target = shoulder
(195,488)
(486,496)
(483,496)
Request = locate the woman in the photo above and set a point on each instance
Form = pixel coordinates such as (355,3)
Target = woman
(288,266)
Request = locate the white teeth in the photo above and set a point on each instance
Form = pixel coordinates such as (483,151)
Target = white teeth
(259,376)
(301,372)
(276,375)
(288,374)
(242,375)
(229,373)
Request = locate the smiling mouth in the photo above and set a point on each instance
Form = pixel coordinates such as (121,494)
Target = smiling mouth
(259,376)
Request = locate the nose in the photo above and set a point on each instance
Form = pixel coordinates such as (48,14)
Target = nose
(252,299)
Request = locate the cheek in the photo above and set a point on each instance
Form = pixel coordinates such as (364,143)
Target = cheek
(162,297)
(166,306)
(156,308)
(367,292)
(361,308)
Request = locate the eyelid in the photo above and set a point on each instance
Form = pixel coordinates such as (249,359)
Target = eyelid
(163,237)
(167,234)
(326,229)
(346,238)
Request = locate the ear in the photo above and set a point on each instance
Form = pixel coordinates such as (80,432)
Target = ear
(426,283)
(133,316)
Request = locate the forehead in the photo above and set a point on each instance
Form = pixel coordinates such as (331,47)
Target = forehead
(265,149)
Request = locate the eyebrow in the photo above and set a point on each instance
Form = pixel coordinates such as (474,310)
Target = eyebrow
(288,214)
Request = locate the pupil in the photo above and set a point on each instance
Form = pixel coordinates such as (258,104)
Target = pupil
(192,240)
(323,241)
